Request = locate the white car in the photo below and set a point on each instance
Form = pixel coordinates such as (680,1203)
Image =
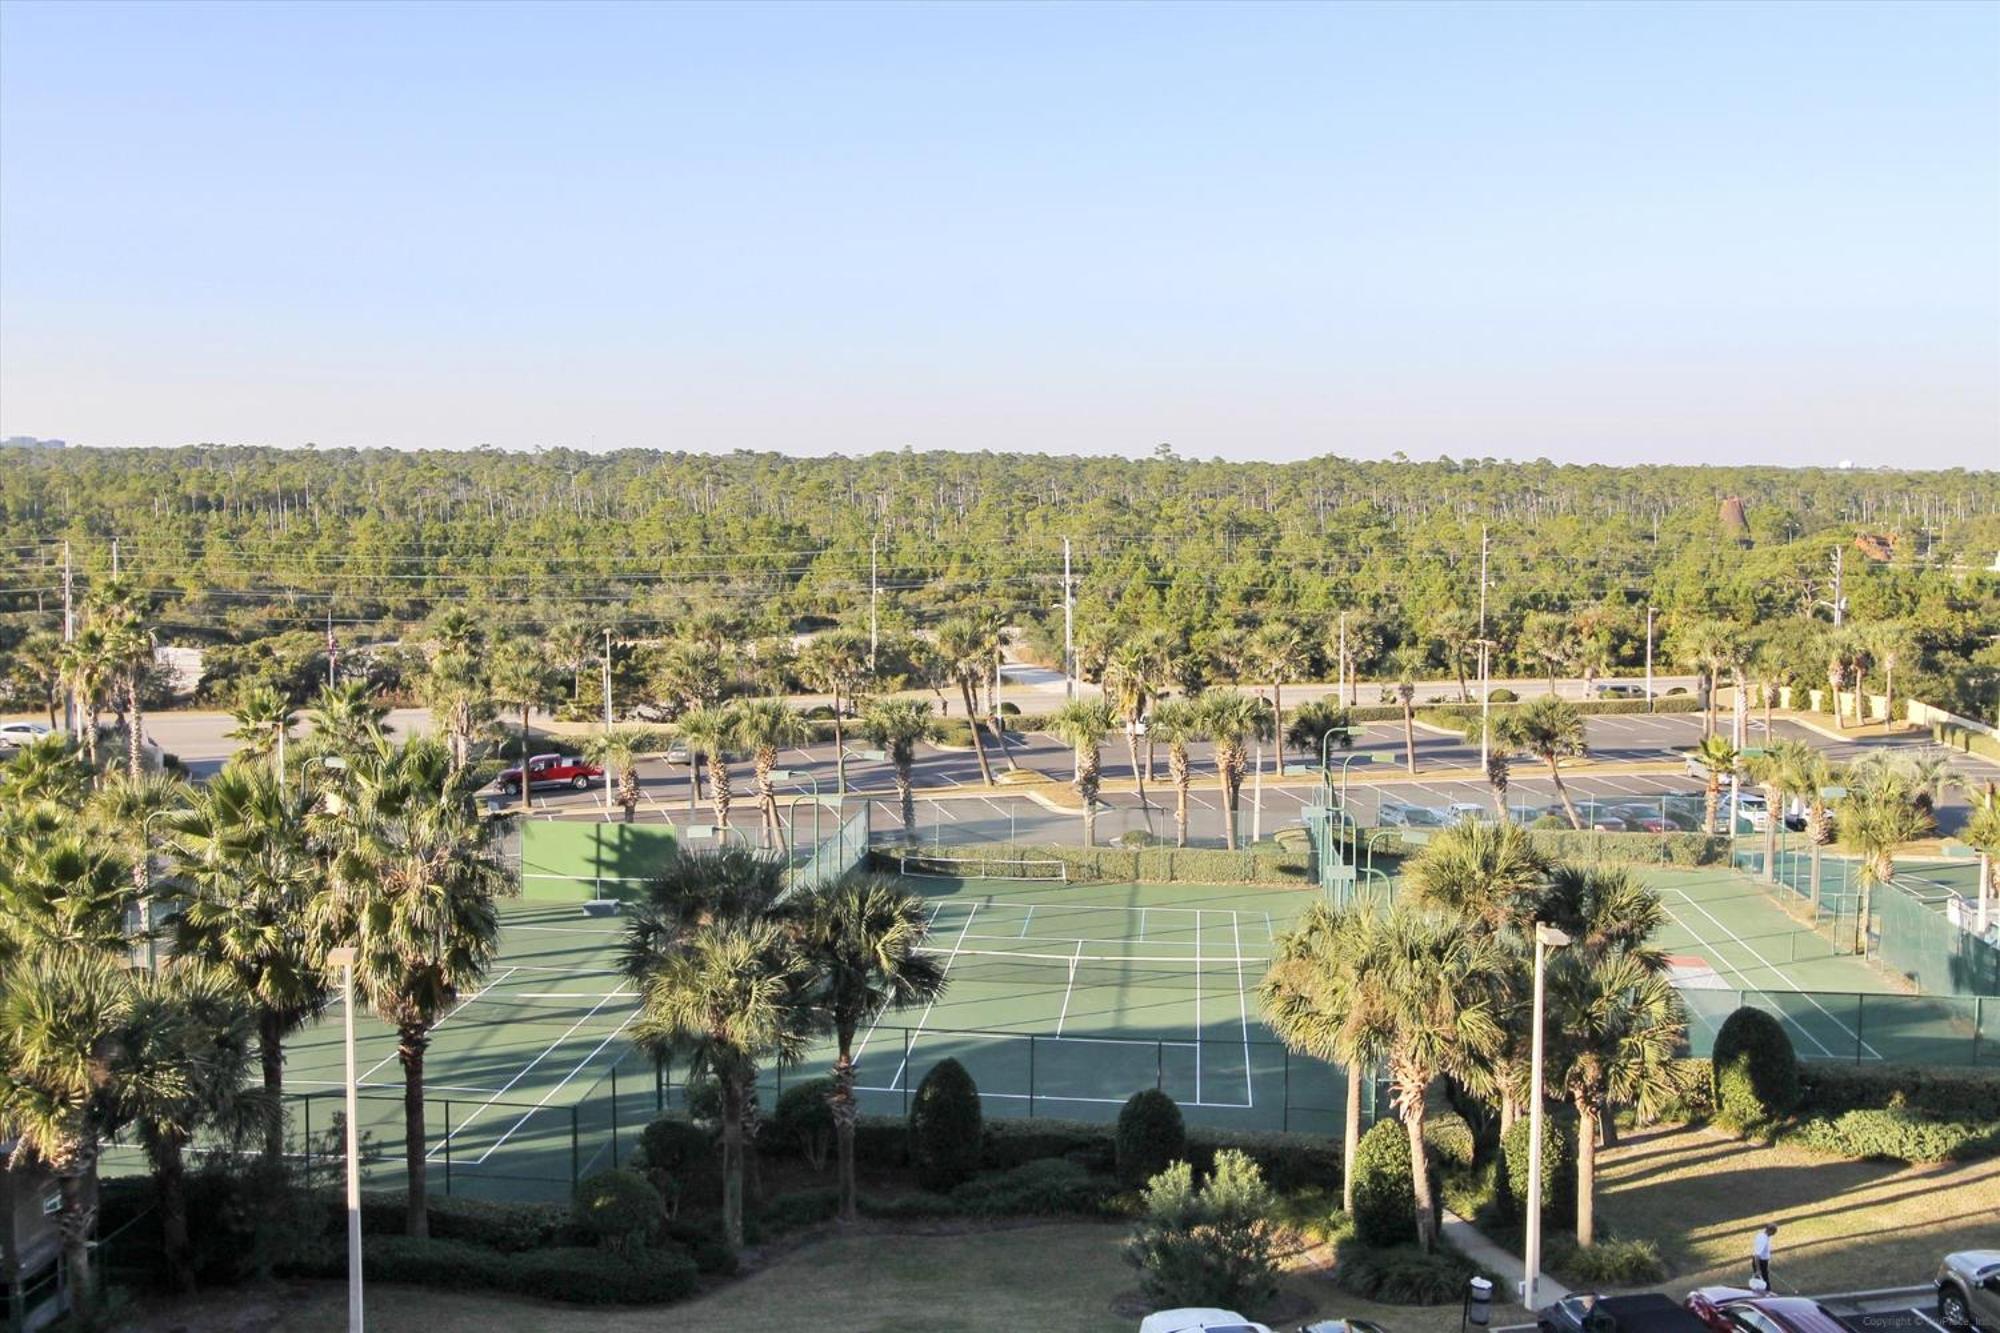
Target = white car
(1199,1319)
(1471,810)
(1752,807)
(13,735)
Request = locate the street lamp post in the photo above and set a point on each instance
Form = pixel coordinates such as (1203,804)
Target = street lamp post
(344,958)
(1546,937)
(1649,659)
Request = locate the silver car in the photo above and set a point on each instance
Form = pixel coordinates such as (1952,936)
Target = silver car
(13,735)
(1968,1288)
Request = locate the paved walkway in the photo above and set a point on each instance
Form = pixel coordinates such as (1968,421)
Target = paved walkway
(1496,1260)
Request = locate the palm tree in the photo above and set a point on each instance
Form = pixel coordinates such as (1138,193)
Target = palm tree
(192,1052)
(1615,1027)
(619,750)
(1591,630)
(710,731)
(1815,773)
(346,719)
(264,721)
(88,661)
(1232,720)
(863,939)
(129,652)
(246,870)
(459,695)
(1281,655)
(1129,681)
(1487,875)
(523,677)
(1549,638)
(733,995)
(1842,650)
(1888,643)
(690,674)
(1081,724)
(1320,725)
(897,725)
(1440,993)
(1323,997)
(1178,723)
(1718,759)
(36,665)
(1776,771)
(1499,764)
(768,726)
(411,889)
(836,662)
(1404,692)
(964,643)
(50,769)
(1551,729)
(1456,632)
(61,892)
(1879,814)
(128,807)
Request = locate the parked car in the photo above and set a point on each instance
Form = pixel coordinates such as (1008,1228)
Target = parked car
(1617,689)
(1412,816)
(1753,809)
(1199,1319)
(1642,818)
(552,770)
(1968,1288)
(677,752)
(13,735)
(1734,1310)
(1616,1314)
(1343,1326)
(1471,810)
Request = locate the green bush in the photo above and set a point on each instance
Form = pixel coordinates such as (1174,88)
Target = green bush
(1211,1245)
(705,1245)
(600,1277)
(1289,1161)
(1449,1140)
(882,1140)
(1011,1143)
(1385,1198)
(1896,1135)
(1048,1188)
(801,1208)
(1150,1135)
(1624,1263)
(803,1122)
(1404,1274)
(907,1207)
(1756,1072)
(945,1127)
(618,1209)
(508,1227)
(679,1158)
(1943,1094)
(442,1265)
(1503,695)
(1558,1170)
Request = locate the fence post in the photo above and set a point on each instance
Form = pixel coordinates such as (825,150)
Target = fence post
(1285,1112)
(575,1151)
(1031,1076)
(1159,1066)
(659,1087)
(447,1147)
(906,1073)
(1978,1023)
(614,1117)
(309,1136)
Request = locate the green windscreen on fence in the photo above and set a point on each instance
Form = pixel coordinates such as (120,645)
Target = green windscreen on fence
(1923,944)
(573,862)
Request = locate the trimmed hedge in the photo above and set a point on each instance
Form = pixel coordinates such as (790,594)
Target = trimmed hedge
(1049,1188)
(1756,1071)
(619,1210)
(1404,1274)
(1012,1143)
(1558,1170)
(945,1127)
(575,1275)
(1385,1197)
(1553,838)
(507,1227)
(1624,1263)
(1943,1094)
(1150,1134)
(1896,1135)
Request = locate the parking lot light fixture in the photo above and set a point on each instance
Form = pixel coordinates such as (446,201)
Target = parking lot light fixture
(344,959)
(1547,937)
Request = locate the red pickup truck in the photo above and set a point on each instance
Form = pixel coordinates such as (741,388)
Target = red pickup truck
(552,770)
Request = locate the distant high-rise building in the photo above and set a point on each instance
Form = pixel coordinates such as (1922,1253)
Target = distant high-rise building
(30,442)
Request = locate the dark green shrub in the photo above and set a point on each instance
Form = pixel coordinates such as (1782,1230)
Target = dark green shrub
(1385,1198)
(1558,1170)
(1404,1274)
(1449,1141)
(1212,1245)
(803,1122)
(1755,1069)
(619,1210)
(1288,1161)
(945,1127)
(882,1140)
(1503,695)
(1622,1263)
(801,1208)
(1048,1188)
(600,1277)
(680,1159)
(1896,1135)
(1150,1134)
(1943,1094)
(444,1265)
(705,1245)
(1011,1143)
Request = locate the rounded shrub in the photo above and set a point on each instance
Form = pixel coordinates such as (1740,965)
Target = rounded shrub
(1756,1071)
(803,1121)
(1385,1199)
(618,1210)
(1150,1134)
(679,1159)
(945,1127)
(1558,1170)
(1503,695)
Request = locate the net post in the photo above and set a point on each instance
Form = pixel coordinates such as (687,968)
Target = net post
(614,1116)
(1031,1076)
(447,1147)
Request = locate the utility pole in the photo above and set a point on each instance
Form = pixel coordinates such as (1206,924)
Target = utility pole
(874,600)
(114,557)
(332,648)
(1485,663)
(1839,602)
(1649,659)
(1069,630)
(69,636)
(607,721)
(1340,667)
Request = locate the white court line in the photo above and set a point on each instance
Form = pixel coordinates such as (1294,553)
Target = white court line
(576,995)
(1103,1101)
(1197,1004)
(1142,926)
(1024,922)
(926,1016)
(1799,989)
(523,1073)
(1070,989)
(1242,1008)
(429,1087)
(866,1037)
(1703,941)
(1270,930)
(456,1010)
(525,1115)
(1081,907)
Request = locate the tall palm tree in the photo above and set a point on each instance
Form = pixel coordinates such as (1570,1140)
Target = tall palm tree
(1323,997)
(1718,759)
(1178,723)
(245,869)
(1591,629)
(1547,637)
(1775,771)
(1129,682)
(1550,729)
(128,808)
(1456,632)
(619,750)
(523,677)
(414,876)
(1440,991)
(710,731)
(863,940)
(62,891)
(1232,720)
(689,673)
(1081,724)
(88,662)
(767,726)
(1488,875)
(1879,814)
(963,642)
(897,725)
(1888,644)
(346,719)
(36,665)
(460,696)
(264,721)
(1282,655)
(836,662)
(1815,773)
(1615,1027)
(1404,692)
(129,652)
(734,995)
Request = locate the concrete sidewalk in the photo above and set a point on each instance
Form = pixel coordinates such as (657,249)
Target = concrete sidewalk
(1495,1260)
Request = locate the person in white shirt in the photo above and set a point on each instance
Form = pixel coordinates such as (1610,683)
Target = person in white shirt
(1760,1254)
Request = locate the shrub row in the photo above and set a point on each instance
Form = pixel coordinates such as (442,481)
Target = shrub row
(509,1228)
(1625,1263)
(1944,1094)
(1591,846)
(1146,865)
(1048,1188)
(572,1274)
(1896,1135)
(1404,1274)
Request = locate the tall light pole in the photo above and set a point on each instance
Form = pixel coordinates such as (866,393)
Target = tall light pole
(1649,659)
(1069,629)
(1546,937)
(874,600)
(607,726)
(344,959)
(1485,662)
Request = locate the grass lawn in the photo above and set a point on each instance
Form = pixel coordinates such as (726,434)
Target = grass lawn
(1842,1226)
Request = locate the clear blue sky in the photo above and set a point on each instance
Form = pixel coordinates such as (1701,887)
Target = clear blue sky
(1621,232)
